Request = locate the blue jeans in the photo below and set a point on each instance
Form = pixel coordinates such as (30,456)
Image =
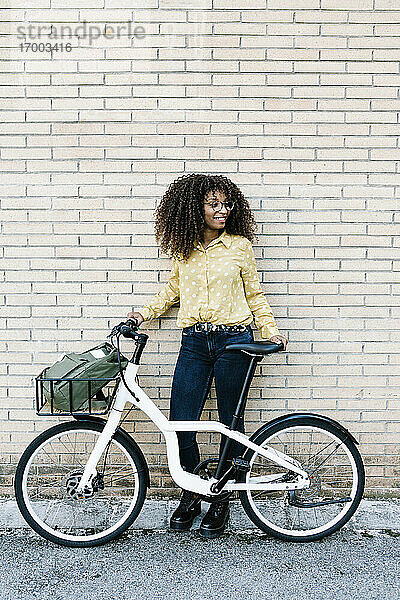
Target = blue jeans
(202,356)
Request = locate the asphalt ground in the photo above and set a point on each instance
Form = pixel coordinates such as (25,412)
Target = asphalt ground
(161,564)
(361,561)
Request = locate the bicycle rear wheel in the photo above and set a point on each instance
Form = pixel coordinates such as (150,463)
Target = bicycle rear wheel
(48,474)
(335,470)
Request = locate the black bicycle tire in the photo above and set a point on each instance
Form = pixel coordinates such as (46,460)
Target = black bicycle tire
(74,425)
(341,434)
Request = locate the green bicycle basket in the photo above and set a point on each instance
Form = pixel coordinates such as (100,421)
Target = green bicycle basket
(70,383)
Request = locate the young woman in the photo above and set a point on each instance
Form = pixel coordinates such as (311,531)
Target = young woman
(205,225)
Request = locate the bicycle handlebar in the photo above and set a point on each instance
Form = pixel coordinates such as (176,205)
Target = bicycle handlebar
(129,329)
(126,328)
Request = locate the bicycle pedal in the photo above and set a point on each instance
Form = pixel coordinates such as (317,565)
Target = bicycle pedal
(241,464)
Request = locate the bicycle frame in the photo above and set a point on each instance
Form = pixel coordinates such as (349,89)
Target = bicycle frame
(182,478)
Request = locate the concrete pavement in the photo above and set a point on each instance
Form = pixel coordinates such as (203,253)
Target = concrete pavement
(150,562)
(160,565)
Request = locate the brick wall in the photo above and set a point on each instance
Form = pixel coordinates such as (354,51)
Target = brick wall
(295,101)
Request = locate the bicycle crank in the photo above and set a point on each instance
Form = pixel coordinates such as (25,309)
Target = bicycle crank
(206,470)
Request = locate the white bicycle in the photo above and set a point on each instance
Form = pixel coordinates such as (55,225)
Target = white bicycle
(84,482)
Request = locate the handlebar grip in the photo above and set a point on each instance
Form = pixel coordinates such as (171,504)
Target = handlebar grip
(128,328)
(127,332)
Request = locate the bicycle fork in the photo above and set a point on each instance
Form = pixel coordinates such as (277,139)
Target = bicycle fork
(106,435)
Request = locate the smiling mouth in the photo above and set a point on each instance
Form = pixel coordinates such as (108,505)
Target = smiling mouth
(220,219)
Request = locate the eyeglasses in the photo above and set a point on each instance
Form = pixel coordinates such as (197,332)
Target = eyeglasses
(216,205)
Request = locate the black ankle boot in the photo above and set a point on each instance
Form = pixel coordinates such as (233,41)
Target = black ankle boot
(215,520)
(189,507)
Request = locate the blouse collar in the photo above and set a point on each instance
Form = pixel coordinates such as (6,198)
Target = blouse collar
(224,237)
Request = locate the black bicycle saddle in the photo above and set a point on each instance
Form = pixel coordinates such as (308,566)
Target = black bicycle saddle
(260,348)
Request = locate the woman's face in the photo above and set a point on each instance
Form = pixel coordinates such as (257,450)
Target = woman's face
(215,220)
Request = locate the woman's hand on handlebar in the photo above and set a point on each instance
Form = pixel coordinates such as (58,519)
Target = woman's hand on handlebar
(135,315)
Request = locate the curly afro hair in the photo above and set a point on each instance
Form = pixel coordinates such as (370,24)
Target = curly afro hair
(179,218)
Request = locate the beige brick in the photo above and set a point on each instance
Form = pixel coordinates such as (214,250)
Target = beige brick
(93,190)
(79,103)
(74,152)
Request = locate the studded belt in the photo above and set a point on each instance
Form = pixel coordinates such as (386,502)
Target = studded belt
(205,327)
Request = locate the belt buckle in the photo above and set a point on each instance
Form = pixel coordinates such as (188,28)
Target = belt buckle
(207,327)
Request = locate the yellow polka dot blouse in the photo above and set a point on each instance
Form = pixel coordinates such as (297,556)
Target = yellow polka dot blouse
(218,284)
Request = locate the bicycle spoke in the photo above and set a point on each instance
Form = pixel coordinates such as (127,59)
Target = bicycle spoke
(325,459)
(113,480)
(53,461)
(70,453)
(110,475)
(58,505)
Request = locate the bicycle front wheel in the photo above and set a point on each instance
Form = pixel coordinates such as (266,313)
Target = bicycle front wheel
(47,478)
(336,473)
